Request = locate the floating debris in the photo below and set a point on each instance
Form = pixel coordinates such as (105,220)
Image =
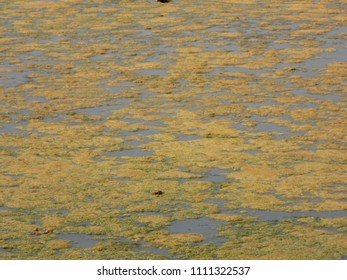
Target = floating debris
(40,232)
(158,193)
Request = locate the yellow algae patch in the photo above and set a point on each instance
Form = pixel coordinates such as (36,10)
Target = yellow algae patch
(195,209)
(57,244)
(155,220)
(255,200)
(142,206)
(48,128)
(163,137)
(53,221)
(257,174)
(43,5)
(164,239)
(7,181)
(230,218)
(219,129)
(321,167)
(186,237)
(131,173)
(116,124)
(327,205)
(339,223)
(282,241)
(297,55)
(269,59)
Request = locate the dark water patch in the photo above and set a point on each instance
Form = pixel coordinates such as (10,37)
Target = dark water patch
(240,126)
(9,187)
(145,247)
(271,127)
(253,151)
(13,79)
(99,57)
(13,128)
(218,201)
(216,171)
(79,240)
(39,99)
(186,137)
(339,32)
(263,119)
(147,95)
(204,226)
(51,39)
(56,119)
(282,132)
(4,251)
(21,115)
(134,143)
(215,175)
(153,72)
(314,66)
(131,153)
(164,114)
(36,57)
(321,60)
(288,136)
(4,208)
(13,239)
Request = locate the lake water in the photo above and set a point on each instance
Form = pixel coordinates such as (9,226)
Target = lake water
(235,110)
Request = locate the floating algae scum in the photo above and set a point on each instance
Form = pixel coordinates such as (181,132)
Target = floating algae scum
(182,130)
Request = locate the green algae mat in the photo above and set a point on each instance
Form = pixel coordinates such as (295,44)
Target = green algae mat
(187,130)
